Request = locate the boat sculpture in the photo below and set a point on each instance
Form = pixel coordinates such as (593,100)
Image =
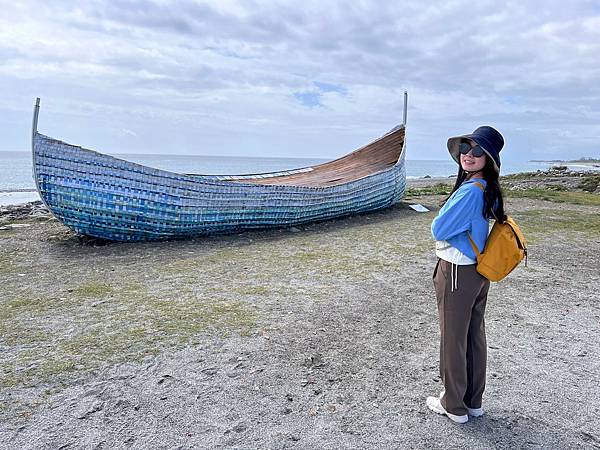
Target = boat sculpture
(106,197)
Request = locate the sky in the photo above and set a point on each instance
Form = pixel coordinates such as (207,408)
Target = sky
(310,79)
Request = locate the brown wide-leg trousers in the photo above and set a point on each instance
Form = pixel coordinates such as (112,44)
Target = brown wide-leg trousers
(463,347)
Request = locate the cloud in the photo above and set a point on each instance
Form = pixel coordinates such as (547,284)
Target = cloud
(274,78)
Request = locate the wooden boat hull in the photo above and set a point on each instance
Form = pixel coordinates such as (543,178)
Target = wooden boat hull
(105,197)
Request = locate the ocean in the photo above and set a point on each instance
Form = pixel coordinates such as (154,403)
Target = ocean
(15,168)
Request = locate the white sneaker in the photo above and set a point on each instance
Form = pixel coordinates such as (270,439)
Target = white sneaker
(435,405)
(475,412)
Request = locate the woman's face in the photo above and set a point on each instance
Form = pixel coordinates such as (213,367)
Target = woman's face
(470,163)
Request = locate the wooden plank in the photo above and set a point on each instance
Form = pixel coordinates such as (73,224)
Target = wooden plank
(372,158)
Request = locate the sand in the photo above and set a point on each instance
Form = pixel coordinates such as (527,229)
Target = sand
(321,336)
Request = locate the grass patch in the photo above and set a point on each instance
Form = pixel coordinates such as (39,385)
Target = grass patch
(540,222)
(436,189)
(24,304)
(556,187)
(5,267)
(590,183)
(125,329)
(54,340)
(24,320)
(253,290)
(7,235)
(517,176)
(559,196)
(55,334)
(93,289)
(8,262)
(205,263)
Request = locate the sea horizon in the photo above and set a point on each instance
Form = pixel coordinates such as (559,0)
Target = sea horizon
(408,157)
(17,185)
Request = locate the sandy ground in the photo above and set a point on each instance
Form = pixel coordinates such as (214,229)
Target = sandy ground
(322,336)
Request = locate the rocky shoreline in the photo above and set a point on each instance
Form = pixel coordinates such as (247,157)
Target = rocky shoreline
(36,209)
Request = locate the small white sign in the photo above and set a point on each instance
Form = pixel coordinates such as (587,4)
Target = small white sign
(419,208)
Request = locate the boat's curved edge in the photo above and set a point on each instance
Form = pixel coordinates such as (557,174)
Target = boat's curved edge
(359,196)
(212,179)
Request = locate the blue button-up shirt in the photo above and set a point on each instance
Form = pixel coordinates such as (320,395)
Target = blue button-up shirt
(462,213)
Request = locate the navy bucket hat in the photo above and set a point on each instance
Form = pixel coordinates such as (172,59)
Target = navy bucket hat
(487,137)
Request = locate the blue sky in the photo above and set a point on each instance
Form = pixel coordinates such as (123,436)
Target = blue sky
(311,79)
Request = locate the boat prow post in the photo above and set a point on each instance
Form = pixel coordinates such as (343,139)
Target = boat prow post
(403,125)
(405,108)
(34,125)
(36,112)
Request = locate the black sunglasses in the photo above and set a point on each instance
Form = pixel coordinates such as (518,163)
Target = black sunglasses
(465,148)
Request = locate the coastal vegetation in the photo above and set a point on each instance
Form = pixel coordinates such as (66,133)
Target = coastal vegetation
(555,186)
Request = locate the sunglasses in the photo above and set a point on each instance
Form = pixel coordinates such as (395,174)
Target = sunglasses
(465,148)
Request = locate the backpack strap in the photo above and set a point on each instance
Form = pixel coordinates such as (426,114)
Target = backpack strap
(475,249)
(478,184)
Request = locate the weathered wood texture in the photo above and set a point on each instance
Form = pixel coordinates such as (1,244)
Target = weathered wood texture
(372,158)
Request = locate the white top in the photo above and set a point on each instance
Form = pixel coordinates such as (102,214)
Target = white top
(451,254)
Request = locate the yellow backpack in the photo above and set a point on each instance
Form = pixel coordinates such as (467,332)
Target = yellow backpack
(504,249)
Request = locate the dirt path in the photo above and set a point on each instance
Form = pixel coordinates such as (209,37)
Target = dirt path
(318,337)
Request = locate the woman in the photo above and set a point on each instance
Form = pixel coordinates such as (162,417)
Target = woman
(461,291)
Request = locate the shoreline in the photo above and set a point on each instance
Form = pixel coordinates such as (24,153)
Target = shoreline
(10,191)
(19,197)
(594,163)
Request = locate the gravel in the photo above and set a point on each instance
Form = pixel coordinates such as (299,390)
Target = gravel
(324,336)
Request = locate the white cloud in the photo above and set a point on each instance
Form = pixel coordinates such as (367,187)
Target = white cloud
(226,75)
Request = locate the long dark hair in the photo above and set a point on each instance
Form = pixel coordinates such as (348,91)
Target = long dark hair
(493,202)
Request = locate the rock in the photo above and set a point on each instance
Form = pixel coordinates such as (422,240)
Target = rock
(314,361)
(240,427)
(164,378)
(210,370)
(88,409)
